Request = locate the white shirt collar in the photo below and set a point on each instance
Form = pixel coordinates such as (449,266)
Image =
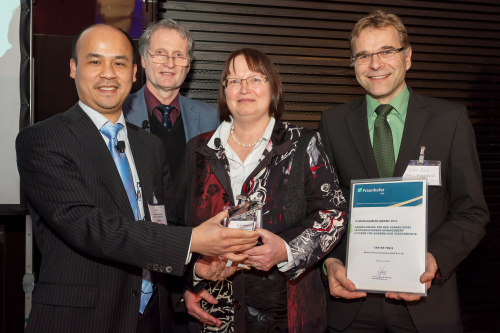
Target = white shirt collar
(224,131)
(99,120)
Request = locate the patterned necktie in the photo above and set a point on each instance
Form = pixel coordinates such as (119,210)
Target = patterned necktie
(123,167)
(165,120)
(383,147)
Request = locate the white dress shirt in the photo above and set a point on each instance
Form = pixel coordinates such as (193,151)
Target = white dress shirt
(99,121)
(239,171)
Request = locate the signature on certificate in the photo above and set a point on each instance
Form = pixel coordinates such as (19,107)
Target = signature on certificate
(381,273)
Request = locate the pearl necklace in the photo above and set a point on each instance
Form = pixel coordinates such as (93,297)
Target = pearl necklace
(240,144)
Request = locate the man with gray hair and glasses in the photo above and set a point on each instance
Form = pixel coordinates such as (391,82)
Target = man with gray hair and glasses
(376,136)
(166,50)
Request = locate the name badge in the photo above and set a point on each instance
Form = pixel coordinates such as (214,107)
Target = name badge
(157,213)
(431,169)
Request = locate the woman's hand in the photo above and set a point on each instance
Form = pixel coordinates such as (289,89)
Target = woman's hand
(214,268)
(266,256)
(195,310)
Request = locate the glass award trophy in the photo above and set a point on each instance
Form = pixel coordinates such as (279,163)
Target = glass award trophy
(245,216)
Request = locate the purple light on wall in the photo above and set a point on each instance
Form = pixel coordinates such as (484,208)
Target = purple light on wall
(136,28)
(124,14)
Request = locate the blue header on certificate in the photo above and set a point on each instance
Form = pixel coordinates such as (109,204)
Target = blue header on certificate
(394,194)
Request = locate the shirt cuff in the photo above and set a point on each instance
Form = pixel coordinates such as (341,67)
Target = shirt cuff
(287,265)
(195,278)
(189,255)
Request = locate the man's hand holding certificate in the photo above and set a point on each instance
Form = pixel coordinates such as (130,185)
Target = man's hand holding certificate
(339,284)
(388,237)
(341,287)
(426,278)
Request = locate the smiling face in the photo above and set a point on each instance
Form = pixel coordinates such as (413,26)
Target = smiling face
(245,103)
(105,70)
(165,77)
(382,80)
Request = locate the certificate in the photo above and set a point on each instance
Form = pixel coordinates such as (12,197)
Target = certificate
(387,239)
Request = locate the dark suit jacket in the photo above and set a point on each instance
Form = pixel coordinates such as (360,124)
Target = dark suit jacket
(93,251)
(197,117)
(445,130)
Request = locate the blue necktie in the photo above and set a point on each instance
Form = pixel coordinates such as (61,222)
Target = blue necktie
(165,120)
(126,175)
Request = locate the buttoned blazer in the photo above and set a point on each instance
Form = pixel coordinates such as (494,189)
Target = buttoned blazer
(93,251)
(197,117)
(444,129)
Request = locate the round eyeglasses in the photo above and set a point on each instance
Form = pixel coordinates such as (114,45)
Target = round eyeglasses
(252,82)
(159,58)
(385,55)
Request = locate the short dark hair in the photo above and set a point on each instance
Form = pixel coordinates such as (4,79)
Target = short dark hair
(77,37)
(378,19)
(260,63)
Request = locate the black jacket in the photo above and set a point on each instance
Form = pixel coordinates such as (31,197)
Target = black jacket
(445,130)
(93,251)
(302,204)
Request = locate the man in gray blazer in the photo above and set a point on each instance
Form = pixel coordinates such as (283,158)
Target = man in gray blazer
(166,50)
(377,136)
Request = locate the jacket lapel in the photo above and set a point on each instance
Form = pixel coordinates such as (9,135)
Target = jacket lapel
(95,147)
(268,156)
(358,126)
(190,118)
(135,109)
(140,154)
(217,168)
(416,118)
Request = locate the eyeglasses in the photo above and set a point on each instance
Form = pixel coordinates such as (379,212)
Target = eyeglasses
(384,55)
(163,58)
(252,81)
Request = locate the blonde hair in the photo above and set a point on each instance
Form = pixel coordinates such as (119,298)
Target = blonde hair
(376,20)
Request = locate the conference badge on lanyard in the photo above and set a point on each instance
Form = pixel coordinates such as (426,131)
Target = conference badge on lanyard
(422,167)
(157,211)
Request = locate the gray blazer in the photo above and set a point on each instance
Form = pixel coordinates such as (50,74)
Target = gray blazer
(198,117)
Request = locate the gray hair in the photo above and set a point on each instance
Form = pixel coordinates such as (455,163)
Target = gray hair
(168,24)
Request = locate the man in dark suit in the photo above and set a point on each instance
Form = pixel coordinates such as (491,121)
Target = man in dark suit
(355,135)
(105,267)
(166,50)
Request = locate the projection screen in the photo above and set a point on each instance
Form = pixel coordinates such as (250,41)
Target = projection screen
(15,91)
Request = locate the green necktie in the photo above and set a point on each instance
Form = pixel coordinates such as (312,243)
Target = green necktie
(383,147)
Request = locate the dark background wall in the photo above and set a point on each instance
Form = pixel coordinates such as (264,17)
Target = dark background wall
(456,47)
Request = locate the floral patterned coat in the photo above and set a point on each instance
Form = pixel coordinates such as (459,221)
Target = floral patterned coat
(302,204)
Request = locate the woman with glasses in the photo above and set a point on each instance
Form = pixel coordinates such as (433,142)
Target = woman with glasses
(256,156)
